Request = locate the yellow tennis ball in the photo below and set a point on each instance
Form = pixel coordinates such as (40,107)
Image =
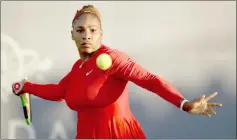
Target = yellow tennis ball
(104,61)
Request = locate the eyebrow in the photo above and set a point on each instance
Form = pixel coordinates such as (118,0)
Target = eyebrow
(80,27)
(87,26)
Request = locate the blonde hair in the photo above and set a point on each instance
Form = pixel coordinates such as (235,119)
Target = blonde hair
(87,9)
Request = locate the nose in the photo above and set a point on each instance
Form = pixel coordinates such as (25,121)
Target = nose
(86,36)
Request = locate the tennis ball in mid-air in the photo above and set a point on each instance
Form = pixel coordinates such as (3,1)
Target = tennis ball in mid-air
(104,61)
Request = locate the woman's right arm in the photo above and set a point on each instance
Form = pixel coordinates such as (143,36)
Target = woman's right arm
(52,92)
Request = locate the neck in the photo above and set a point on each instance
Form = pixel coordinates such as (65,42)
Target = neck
(85,56)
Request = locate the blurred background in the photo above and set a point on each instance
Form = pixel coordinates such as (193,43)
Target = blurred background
(190,44)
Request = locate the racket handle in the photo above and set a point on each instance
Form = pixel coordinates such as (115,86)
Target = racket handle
(26,107)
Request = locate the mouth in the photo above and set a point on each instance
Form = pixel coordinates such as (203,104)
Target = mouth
(85,45)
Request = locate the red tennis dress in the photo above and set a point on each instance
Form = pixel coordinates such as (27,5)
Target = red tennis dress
(101,97)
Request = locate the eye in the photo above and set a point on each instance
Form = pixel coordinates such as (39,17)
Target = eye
(93,30)
(80,30)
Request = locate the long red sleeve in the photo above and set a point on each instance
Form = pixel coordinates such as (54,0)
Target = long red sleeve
(125,68)
(52,92)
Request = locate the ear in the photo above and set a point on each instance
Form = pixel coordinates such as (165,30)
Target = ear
(101,32)
(72,35)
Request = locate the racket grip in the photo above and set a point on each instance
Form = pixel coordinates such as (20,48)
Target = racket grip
(26,107)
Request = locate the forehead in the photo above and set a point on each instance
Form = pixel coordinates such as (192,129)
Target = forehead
(86,20)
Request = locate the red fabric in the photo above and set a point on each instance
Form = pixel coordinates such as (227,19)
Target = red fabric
(101,98)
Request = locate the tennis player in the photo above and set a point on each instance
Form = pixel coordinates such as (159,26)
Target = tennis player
(100,97)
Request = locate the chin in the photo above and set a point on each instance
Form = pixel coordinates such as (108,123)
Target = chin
(87,50)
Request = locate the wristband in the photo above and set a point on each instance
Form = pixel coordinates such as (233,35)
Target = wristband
(182,104)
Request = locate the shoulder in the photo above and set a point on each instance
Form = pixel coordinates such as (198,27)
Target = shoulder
(114,53)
